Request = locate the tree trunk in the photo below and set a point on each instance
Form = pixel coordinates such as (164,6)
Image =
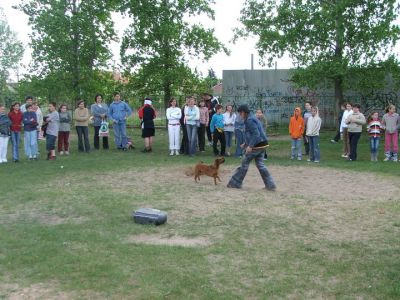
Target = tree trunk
(339,45)
(75,51)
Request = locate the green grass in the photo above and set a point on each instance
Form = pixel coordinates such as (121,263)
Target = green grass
(68,228)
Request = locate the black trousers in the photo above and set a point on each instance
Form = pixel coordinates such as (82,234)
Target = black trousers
(97,139)
(354,138)
(209,134)
(83,136)
(201,131)
(185,141)
(219,136)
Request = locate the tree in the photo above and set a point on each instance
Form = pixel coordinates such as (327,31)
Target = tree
(158,40)
(326,39)
(70,43)
(11,51)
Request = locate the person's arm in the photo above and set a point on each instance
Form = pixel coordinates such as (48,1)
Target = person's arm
(252,128)
(207,118)
(212,124)
(360,120)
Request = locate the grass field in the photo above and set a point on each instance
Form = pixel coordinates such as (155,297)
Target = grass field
(330,231)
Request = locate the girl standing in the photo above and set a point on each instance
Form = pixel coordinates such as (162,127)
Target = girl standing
(217,131)
(53,124)
(229,122)
(204,119)
(192,116)
(174,114)
(64,130)
(30,132)
(374,128)
(16,117)
(81,117)
(5,132)
(391,123)
(147,114)
(312,133)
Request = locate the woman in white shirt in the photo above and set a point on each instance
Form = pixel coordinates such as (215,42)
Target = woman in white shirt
(229,128)
(173,114)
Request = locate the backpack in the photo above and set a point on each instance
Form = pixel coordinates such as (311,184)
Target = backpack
(103,131)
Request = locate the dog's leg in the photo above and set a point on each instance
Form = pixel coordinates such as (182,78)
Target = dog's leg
(219,179)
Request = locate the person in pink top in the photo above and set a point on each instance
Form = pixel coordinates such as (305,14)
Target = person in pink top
(204,120)
(391,123)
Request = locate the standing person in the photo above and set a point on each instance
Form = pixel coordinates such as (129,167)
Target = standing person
(28,101)
(16,117)
(118,112)
(217,131)
(192,116)
(53,123)
(39,117)
(296,130)
(306,115)
(344,130)
(30,132)
(204,120)
(261,117)
(374,129)
(239,135)
(5,132)
(391,122)
(254,145)
(210,102)
(185,141)
(174,115)
(147,114)
(340,117)
(355,122)
(82,116)
(313,128)
(229,128)
(64,130)
(99,112)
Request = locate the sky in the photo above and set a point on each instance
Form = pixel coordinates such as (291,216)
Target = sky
(227,13)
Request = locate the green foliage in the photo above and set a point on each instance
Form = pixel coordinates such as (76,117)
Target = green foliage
(329,39)
(11,51)
(70,45)
(159,39)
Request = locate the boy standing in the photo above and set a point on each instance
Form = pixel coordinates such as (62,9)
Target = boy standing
(354,122)
(217,130)
(306,115)
(30,132)
(296,130)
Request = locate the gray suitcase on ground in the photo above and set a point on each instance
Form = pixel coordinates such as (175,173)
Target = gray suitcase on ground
(149,216)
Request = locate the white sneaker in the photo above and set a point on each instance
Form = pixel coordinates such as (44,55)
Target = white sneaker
(66,152)
(308,159)
(171,153)
(61,152)
(386,159)
(176,152)
(345,156)
(299,158)
(316,161)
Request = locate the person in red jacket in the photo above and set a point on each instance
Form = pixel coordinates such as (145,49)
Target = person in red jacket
(296,130)
(16,117)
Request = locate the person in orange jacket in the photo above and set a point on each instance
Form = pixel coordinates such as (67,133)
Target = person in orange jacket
(296,130)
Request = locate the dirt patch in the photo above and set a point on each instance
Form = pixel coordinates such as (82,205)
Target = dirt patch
(157,239)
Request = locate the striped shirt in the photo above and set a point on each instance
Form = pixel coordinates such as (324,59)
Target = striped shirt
(374,128)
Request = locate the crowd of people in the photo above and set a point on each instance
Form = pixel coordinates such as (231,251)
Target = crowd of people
(190,128)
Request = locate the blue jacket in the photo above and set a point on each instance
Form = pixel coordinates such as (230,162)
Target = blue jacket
(217,121)
(254,131)
(30,121)
(96,111)
(119,111)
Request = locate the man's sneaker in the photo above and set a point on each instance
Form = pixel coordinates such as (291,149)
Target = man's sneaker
(176,152)
(316,161)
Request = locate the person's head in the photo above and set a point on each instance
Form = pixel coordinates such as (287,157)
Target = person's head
(80,104)
(98,98)
(356,107)
(259,113)
(35,105)
(191,101)
(52,106)
(314,111)
(373,116)
(202,103)
(2,108)
(29,107)
(243,111)
(206,96)
(349,106)
(391,109)
(297,111)
(117,96)
(307,106)
(229,108)
(172,102)
(15,106)
(147,101)
(63,108)
(218,108)
(29,100)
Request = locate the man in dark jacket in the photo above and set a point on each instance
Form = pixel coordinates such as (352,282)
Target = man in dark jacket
(255,144)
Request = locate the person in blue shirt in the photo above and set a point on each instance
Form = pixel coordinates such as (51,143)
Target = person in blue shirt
(30,132)
(118,112)
(217,131)
(255,143)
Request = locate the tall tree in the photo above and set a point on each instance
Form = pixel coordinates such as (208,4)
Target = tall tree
(326,39)
(70,40)
(160,39)
(11,51)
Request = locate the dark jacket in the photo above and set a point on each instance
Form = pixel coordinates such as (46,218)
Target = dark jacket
(30,121)
(147,114)
(5,124)
(254,132)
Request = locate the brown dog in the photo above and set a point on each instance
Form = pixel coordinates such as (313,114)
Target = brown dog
(209,170)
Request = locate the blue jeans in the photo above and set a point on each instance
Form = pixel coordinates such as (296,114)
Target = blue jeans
(374,144)
(239,136)
(228,138)
(192,138)
(15,137)
(120,134)
(314,148)
(296,148)
(239,174)
(30,143)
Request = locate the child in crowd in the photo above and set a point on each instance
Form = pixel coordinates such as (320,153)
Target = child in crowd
(354,122)
(174,115)
(229,122)
(16,117)
(5,132)
(64,130)
(53,123)
(260,116)
(296,130)
(306,115)
(374,128)
(30,132)
(204,120)
(99,113)
(344,130)
(82,116)
(312,133)
(391,123)
(217,130)
(39,118)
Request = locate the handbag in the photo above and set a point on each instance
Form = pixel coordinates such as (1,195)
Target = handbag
(103,131)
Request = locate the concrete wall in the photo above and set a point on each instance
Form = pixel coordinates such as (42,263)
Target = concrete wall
(276,95)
